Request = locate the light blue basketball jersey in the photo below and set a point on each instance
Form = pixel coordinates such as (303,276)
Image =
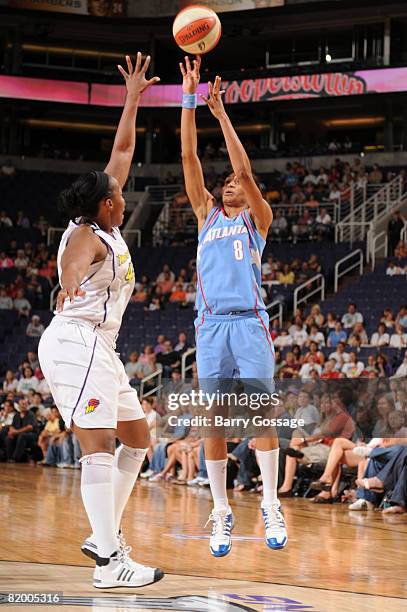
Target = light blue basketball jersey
(229,264)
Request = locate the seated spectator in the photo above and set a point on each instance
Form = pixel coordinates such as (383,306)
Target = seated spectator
(299,334)
(306,412)
(166,284)
(398,339)
(330,370)
(358,332)
(279,226)
(340,356)
(190,295)
(22,434)
(385,369)
(290,367)
(315,317)
(168,358)
(322,177)
(310,178)
(376,175)
(21,304)
(331,320)
(351,317)
(51,428)
(312,203)
(334,193)
(5,261)
(154,304)
(27,382)
(283,340)
(334,421)
(353,368)
(323,223)
(43,387)
(401,318)
(10,382)
(381,337)
(336,336)
(35,404)
(304,225)
(160,344)
(22,220)
(314,265)
(287,276)
(35,329)
(163,274)
(21,261)
(131,366)
(5,222)
(182,344)
(178,293)
(387,318)
(6,303)
(308,367)
(314,352)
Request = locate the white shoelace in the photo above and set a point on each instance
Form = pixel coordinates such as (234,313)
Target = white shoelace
(274,519)
(220,524)
(124,555)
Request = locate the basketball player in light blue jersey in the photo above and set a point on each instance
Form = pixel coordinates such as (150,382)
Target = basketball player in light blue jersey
(232,326)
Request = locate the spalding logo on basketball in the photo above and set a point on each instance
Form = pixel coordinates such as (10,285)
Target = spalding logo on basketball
(197,29)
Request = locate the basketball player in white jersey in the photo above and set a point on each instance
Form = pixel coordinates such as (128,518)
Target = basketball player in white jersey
(77,350)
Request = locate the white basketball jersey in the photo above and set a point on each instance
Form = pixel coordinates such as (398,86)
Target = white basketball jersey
(108,284)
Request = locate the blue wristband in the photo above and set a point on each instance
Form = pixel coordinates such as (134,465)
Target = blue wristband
(189,100)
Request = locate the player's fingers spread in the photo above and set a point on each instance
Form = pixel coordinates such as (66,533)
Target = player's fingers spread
(187,63)
(138,61)
(129,64)
(198,60)
(122,72)
(146,64)
(182,68)
(204,99)
(154,80)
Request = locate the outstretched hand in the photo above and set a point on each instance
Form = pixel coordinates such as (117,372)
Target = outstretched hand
(214,99)
(190,74)
(71,293)
(135,78)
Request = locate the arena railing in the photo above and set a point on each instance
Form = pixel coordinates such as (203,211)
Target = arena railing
(54,232)
(320,289)
(184,367)
(53,297)
(358,254)
(155,390)
(277,315)
(379,245)
(356,224)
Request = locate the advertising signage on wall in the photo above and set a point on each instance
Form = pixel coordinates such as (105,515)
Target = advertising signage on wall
(135,8)
(329,85)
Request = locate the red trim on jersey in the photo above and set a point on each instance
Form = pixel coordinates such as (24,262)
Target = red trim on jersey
(200,324)
(203,294)
(267,332)
(211,219)
(248,223)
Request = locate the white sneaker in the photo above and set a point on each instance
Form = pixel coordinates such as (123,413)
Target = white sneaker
(195,482)
(361,504)
(220,542)
(122,571)
(147,473)
(204,482)
(155,478)
(276,532)
(63,465)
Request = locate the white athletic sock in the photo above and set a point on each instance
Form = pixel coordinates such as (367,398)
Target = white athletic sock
(127,463)
(97,496)
(268,464)
(217,481)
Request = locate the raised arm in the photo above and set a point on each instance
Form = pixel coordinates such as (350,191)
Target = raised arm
(259,208)
(201,200)
(125,140)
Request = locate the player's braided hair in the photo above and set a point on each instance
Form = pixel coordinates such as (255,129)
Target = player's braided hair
(83,197)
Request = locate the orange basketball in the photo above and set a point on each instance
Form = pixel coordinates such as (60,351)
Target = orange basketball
(197,29)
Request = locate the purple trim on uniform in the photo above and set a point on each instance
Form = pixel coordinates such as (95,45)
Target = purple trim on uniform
(88,279)
(114,276)
(86,378)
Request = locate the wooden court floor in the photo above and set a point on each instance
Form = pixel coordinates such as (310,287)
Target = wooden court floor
(335,560)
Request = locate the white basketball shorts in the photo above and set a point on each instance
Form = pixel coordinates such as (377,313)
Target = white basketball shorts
(86,377)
